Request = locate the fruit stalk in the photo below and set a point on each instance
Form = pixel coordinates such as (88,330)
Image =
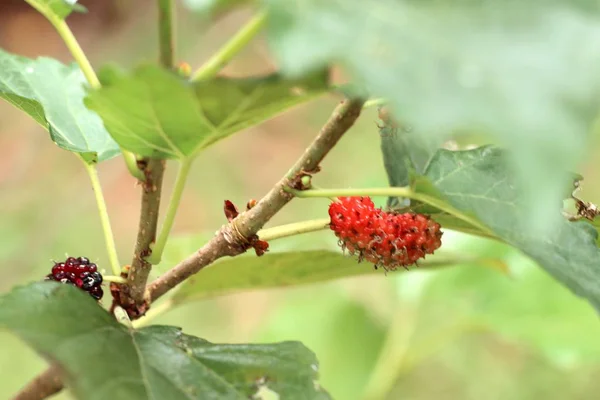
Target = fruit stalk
(111,247)
(296,228)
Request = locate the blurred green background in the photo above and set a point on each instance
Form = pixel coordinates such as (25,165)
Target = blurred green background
(456,333)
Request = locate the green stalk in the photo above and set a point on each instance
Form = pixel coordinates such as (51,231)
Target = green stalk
(86,67)
(67,36)
(348,89)
(393,192)
(238,42)
(166,18)
(104,220)
(374,103)
(84,64)
(297,228)
(114,278)
(122,317)
(269,234)
(161,241)
(131,163)
(77,52)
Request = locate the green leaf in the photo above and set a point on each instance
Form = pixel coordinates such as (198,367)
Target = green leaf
(56,8)
(522,72)
(52,94)
(481,183)
(405,152)
(286,269)
(159,362)
(155,113)
(596,224)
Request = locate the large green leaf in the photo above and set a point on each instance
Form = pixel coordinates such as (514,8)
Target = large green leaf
(157,113)
(481,183)
(52,94)
(523,72)
(56,8)
(102,358)
(286,269)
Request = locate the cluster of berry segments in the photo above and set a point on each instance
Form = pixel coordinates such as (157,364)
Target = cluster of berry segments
(78,272)
(386,239)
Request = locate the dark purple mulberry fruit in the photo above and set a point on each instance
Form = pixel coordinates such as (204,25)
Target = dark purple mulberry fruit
(78,272)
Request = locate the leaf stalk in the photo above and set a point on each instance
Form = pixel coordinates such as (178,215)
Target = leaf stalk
(104,219)
(296,228)
(70,41)
(237,43)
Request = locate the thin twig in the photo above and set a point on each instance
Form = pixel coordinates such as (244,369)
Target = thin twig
(132,294)
(42,386)
(231,239)
(227,241)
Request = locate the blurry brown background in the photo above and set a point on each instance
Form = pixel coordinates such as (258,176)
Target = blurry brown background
(469,333)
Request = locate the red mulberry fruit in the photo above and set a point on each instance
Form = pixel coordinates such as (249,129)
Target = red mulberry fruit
(386,239)
(79,272)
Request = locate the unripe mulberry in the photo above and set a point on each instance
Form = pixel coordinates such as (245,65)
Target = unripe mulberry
(386,239)
(79,272)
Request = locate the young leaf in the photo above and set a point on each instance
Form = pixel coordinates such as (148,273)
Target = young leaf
(155,113)
(52,94)
(56,8)
(524,72)
(102,358)
(286,269)
(480,182)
